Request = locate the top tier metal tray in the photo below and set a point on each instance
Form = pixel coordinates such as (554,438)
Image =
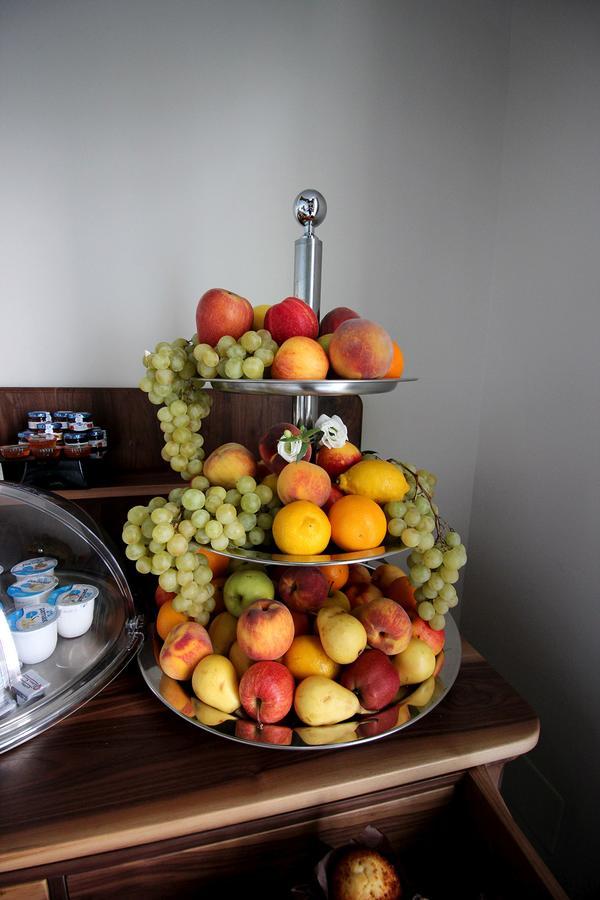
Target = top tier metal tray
(332,387)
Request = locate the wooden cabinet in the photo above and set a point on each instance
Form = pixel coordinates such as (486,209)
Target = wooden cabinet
(124,798)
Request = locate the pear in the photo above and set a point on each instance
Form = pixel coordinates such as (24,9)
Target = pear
(208,715)
(215,682)
(317,735)
(416,663)
(342,635)
(322,701)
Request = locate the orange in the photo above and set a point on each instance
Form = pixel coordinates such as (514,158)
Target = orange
(306,656)
(168,618)
(357,523)
(397,366)
(218,564)
(302,528)
(336,576)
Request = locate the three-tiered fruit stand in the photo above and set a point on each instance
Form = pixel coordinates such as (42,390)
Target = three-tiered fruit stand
(310,209)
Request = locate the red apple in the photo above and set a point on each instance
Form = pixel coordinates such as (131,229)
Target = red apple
(335,317)
(373,678)
(161,596)
(334,495)
(301,622)
(266,734)
(402,591)
(267,446)
(388,626)
(265,630)
(219,312)
(291,318)
(422,630)
(336,460)
(382,721)
(267,691)
(303,588)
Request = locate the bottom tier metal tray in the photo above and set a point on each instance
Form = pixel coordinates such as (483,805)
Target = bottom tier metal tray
(416,702)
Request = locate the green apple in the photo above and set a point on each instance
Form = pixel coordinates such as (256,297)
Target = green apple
(244,587)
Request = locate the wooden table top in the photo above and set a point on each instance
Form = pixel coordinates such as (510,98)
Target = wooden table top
(124,771)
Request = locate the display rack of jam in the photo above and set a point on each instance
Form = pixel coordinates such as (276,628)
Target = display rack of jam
(76,444)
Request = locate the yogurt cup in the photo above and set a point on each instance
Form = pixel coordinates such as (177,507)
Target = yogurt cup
(32,591)
(39,565)
(76,610)
(35,632)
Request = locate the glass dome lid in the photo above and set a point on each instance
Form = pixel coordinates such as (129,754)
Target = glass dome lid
(33,525)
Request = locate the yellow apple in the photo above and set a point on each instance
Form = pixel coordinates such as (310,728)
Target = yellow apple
(416,663)
(259,316)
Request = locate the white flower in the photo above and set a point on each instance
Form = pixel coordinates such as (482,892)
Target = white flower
(335,433)
(289,448)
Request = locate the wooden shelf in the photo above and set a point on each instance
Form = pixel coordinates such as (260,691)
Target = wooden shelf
(133,484)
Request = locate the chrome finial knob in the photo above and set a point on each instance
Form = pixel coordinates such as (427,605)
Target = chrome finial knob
(310,208)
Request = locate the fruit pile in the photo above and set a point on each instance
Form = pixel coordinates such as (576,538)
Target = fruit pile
(288,342)
(304,647)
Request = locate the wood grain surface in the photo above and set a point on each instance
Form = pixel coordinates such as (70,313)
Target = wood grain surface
(124,771)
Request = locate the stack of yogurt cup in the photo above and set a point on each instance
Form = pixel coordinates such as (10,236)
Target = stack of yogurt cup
(44,610)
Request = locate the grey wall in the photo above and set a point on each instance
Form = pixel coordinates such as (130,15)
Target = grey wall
(532,584)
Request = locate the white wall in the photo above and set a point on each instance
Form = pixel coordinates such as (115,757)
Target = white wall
(532,584)
(152,150)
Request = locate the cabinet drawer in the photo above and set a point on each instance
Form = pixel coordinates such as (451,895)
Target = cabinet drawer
(454,837)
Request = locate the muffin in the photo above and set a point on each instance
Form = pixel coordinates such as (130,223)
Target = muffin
(363,874)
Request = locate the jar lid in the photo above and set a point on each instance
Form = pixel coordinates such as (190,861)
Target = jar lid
(96,432)
(35,413)
(77,594)
(62,414)
(30,587)
(39,565)
(32,618)
(76,437)
(83,415)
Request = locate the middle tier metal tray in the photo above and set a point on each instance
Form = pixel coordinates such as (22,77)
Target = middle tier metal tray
(333,387)
(327,558)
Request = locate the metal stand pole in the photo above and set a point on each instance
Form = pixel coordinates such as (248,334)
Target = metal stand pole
(310,210)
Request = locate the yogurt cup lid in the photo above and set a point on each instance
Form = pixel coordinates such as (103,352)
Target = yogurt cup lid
(35,566)
(33,618)
(29,587)
(76,594)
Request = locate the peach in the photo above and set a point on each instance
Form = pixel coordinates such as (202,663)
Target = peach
(388,626)
(303,481)
(220,312)
(265,630)
(267,447)
(334,318)
(300,358)
(227,464)
(336,460)
(359,573)
(360,349)
(439,663)
(174,694)
(361,592)
(402,591)
(291,318)
(422,630)
(185,645)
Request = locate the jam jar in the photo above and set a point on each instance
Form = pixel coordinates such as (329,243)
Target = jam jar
(62,417)
(43,446)
(80,421)
(77,444)
(51,428)
(23,436)
(35,417)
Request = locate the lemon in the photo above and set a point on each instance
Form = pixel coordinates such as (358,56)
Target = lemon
(375,478)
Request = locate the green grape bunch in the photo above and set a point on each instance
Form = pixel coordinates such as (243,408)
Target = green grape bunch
(171,383)
(437,552)
(248,357)
(163,537)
